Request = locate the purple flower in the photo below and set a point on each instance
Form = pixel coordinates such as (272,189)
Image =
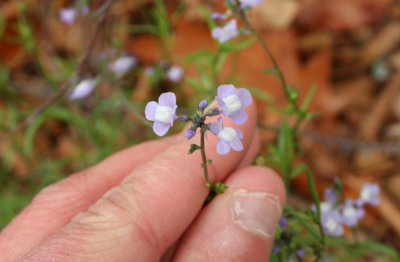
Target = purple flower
(85,10)
(226,32)
(330,196)
(369,195)
(68,15)
(162,113)
(331,220)
(276,249)
(249,3)
(351,214)
(283,222)
(233,101)
(217,16)
(149,70)
(203,104)
(301,253)
(324,259)
(175,73)
(190,133)
(122,65)
(229,137)
(83,89)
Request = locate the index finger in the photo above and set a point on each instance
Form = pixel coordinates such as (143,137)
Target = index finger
(140,218)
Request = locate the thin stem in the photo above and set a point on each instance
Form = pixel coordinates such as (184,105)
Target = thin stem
(243,16)
(204,158)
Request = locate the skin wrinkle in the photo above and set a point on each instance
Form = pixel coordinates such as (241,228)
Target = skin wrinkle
(273,198)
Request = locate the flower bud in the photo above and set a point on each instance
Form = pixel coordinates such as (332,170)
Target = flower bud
(190,133)
(203,104)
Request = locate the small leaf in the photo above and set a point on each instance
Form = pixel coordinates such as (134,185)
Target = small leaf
(193,147)
(209,161)
(219,187)
(271,70)
(307,100)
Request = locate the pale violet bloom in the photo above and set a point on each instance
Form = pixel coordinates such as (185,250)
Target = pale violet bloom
(229,137)
(330,196)
(226,32)
(233,101)
(175,73)
(149,70)
(351,214)
(203,104)
(217,16)
(85,10)
(369,195)
(68,15)
(122,65)
(331,220)
(283,222)
(249,3)
(83,89)
(190,133)
(162,113)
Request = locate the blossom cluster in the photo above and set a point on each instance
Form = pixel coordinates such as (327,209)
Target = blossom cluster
(231,103)
(119,67)
(230,29)
(68,15)
(334,215)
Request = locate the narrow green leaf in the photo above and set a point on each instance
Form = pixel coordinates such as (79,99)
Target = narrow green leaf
(260,94)
(229,47)
(296,171)
(199,55)
(307,100)
(313,189)
(209,161)
(195,84)
(271,70)
(193,147)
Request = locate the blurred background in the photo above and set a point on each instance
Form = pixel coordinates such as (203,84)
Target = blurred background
(348,49)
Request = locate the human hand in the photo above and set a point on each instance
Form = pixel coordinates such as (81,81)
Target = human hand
(140,202)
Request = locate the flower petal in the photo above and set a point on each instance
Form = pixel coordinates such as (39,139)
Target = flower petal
(167,99)
(160,128)
(150,110)
(244,96)
(239,117)
(223,147)
(83,89)
(226,90)
(237,145)
(215,128)
(240,134)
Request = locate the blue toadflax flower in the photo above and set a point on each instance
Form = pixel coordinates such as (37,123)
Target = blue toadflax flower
(175,73)
(249,3)
(68,15)
(162,113)
(226,32)
(122,65)
(233,101)
(83,89)
(229,137)
(351,214)
(369,194)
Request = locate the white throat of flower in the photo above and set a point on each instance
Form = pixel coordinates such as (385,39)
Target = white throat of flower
(227,134)
(331,225)
(163,114)
(349,212)
(366,195)
(232,103)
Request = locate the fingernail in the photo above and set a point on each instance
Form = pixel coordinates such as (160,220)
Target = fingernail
(257,212)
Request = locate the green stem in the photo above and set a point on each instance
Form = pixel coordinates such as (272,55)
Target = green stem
(279,74)
(204,158)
